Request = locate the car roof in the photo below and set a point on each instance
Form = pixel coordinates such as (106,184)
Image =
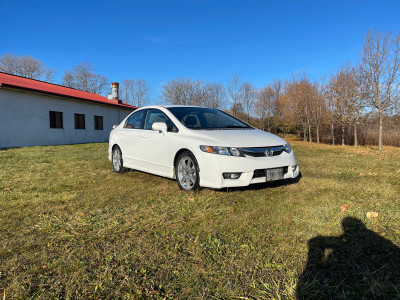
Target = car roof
(168,106)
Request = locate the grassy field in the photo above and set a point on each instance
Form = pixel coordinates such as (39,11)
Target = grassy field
(71,228)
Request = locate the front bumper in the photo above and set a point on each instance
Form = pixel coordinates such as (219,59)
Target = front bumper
(212,166)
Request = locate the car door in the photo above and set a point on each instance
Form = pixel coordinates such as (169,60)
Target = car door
(129,137)
(155,146)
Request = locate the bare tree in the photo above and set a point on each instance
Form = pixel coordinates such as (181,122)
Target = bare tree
(264,107)
(238,109)
(341,90)
(379,65)
(174,91)
(142,90)
(215,95)
(135,91)
(330,103)
(318,108)
(234,91)
(82,77)
(127,91)
(360,100)
(298,102)
(249,94)
(184,91)
(306,104)
(347,97)
(278,88)
(26,66)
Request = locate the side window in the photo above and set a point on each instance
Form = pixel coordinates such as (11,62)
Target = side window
(79,121)
(155,115)
(98,122)
(135,120)
(56,119)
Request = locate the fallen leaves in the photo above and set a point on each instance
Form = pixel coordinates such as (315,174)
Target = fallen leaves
(344,207)
(7,189)
(369,174)
(372,215)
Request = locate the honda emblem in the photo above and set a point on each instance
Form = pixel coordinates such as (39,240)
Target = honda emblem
(269,152)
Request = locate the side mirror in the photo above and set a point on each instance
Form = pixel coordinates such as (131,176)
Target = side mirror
(160,126)
(115,126)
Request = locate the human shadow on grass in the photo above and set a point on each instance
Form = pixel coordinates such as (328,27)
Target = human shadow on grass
(359,264)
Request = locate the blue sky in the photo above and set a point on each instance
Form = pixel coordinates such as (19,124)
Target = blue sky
(202,39)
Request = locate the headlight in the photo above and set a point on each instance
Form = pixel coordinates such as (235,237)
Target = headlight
(232,151)
(235,151)
(288,149)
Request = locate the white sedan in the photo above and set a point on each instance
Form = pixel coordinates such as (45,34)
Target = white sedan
(199,146)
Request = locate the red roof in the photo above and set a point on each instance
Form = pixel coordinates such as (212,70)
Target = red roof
(17,82)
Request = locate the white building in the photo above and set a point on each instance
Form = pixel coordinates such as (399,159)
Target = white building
(35,113)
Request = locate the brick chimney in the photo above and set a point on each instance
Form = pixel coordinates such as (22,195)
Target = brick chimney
(114,92)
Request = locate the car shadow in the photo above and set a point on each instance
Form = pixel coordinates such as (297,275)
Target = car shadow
(265,185)
(359,264)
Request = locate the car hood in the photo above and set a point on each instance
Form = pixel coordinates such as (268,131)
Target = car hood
(238,138)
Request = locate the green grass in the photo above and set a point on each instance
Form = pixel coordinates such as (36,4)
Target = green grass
(71,228)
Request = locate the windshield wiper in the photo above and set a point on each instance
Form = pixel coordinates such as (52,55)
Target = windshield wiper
(222,128)
(233,126)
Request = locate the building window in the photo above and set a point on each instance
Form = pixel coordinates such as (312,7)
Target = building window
(98,122)
(79,121)
(56,119)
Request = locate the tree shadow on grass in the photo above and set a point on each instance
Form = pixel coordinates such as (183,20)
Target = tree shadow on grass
(359,264)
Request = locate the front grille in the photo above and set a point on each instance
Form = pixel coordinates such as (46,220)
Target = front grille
(261,172)
(263,151)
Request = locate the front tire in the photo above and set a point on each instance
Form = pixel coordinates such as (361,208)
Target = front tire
(187,172)
(117,161)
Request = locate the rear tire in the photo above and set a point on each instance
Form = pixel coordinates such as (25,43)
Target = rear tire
(117,161)
(187,172)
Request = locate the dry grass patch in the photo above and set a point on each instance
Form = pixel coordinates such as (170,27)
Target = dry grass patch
(71,228)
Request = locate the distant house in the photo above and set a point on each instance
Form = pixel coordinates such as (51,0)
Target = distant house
(35,113)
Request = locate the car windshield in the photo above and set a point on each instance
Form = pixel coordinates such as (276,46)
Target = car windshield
(199,118)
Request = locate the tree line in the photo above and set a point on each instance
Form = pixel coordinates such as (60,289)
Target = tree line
(352,105)
(342,108)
